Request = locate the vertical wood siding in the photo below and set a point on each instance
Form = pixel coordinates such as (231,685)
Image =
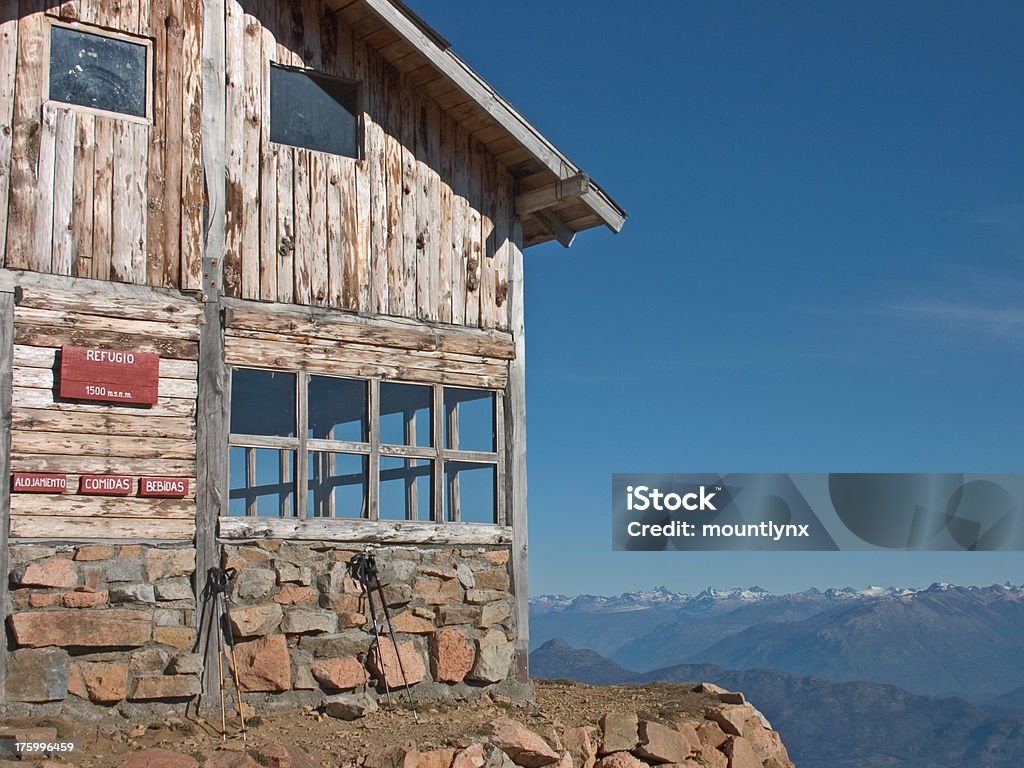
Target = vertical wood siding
(417,227)
(94,195)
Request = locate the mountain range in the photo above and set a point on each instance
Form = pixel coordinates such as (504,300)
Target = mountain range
(940,641)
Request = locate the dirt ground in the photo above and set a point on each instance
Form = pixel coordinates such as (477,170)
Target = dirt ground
(336,744)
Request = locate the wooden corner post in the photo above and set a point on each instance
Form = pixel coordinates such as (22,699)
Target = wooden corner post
(212,412)
(515,454)
(6,382)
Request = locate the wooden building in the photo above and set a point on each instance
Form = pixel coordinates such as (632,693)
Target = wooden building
(261,305)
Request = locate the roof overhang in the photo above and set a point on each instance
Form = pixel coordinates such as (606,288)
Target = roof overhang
(554,198)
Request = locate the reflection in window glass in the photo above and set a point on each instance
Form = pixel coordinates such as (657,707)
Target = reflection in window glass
(468,419)
(262,403)
(337,484)
(261,482)
(405,414)
(405,488)
(469,492)
(337,409)
(97,71)
(313,111)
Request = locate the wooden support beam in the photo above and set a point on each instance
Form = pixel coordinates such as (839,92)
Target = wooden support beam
(515,456)
(555,226)
(570,188)
(213,403)
(6,381)
(382,532)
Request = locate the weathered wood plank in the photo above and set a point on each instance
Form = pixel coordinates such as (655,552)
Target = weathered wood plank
(72,528)
(71,444)
(234,81)
(361,186)
(48,420)
(474,244)
(445,254)
(65,319)
(318,255)
(101,507)
(48,336)
(387,532)
(253,101)
(376,366)
(349,236)
(42,378)
(30,397)
(90,298)
(102,465)
(433,233)
(156,177)
(139,134)
(488,237)
(121,246)
(425,213)
(42,251)
(377,196)
(304,253)
(387,332)
(6,407)
(286,224)
(82,195)
(174,126)
(63,192)
(335,245)
(46,357)
(30,69)
(515,456)
(8,62)
(407,282)
(268,179)
(502,236)
(460,217)
(103,199)
(192,197)
(393,170)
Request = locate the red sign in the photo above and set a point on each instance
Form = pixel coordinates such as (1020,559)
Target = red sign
(163,487)
(109,375)
(105,485)
(29,482)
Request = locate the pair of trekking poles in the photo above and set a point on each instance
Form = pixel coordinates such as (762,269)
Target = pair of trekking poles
(362,568)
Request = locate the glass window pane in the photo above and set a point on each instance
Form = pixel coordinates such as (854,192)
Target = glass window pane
(337,409)
(405,414)
(405,488)
(313,111)
(97,71)
(337,484)
(469,419)
(470,492)
(262,403)
(261,482)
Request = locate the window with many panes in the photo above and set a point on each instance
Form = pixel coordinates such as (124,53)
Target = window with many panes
(367,449)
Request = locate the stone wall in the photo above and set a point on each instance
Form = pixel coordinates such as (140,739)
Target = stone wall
(305,632)
(101,624)
(106,626)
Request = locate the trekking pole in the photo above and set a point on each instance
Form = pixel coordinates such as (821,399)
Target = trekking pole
(357,569)
(387,616)
(219,578)
(229,574)
(210,594)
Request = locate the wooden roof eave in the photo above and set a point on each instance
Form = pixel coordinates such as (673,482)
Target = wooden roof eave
(433,50)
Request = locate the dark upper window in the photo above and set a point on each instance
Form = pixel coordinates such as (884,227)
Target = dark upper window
(314,111)
(90,70)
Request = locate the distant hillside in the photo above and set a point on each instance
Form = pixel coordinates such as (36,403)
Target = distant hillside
(943,640)
(833,725)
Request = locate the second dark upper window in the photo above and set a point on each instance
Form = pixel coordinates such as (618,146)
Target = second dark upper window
(314,111)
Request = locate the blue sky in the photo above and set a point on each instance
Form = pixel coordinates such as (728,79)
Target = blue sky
(822,268)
